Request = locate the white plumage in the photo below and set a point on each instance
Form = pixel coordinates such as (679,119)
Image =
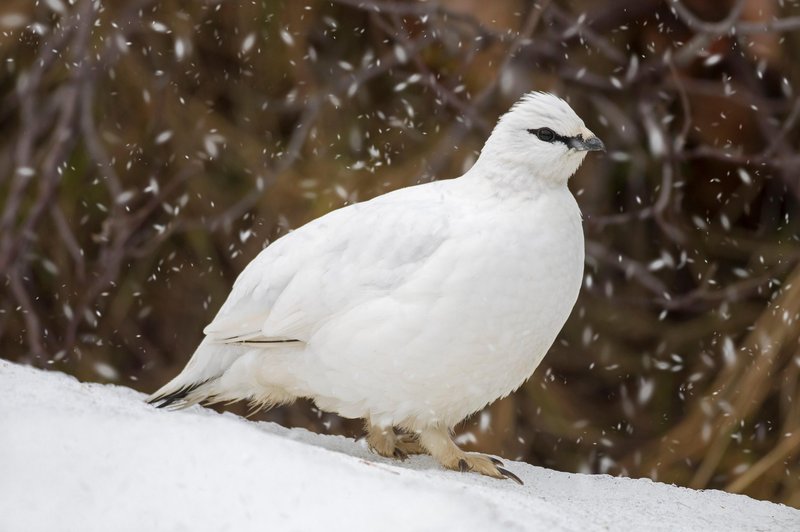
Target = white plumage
(416,308)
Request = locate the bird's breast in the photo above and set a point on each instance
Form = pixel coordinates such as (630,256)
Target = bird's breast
(517,289)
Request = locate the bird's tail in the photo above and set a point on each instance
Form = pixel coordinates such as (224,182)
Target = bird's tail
(193,384)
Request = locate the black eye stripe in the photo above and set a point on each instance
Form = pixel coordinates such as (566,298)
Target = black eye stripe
(546,132)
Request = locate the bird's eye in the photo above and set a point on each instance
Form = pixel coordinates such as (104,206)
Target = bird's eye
(546,134)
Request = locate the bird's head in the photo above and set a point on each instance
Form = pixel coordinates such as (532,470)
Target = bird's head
(540,137)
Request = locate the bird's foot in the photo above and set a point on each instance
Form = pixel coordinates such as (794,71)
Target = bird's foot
(483,464)
(437,440)
(408,444)
(385,442)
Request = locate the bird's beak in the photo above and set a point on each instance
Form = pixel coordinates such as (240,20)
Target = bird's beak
(591,143)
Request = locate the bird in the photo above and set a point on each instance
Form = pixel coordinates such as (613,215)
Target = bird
(416,308)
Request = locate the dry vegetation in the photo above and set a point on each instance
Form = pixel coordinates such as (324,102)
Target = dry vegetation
(150,149)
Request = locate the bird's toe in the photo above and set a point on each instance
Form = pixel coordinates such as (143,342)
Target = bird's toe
(485,465)
(508,474)
(409,444)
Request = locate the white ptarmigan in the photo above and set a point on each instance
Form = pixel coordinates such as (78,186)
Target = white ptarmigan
(417,308)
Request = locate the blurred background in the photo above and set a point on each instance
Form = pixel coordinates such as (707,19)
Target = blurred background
(149,149)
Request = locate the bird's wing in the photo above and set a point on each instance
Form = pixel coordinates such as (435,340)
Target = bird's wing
(333,263)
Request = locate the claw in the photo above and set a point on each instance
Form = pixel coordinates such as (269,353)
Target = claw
(400,455)
(495,461)
(463,466)
(508,474)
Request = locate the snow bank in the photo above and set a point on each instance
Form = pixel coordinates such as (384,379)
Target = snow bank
(87,457)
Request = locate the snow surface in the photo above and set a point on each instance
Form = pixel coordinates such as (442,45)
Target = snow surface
(86,457)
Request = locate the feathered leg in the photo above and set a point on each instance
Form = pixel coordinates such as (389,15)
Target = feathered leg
(441,446)
(385,442)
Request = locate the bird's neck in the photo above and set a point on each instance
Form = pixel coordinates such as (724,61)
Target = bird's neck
(508,179)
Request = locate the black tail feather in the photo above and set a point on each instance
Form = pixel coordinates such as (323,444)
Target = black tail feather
(170,398)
